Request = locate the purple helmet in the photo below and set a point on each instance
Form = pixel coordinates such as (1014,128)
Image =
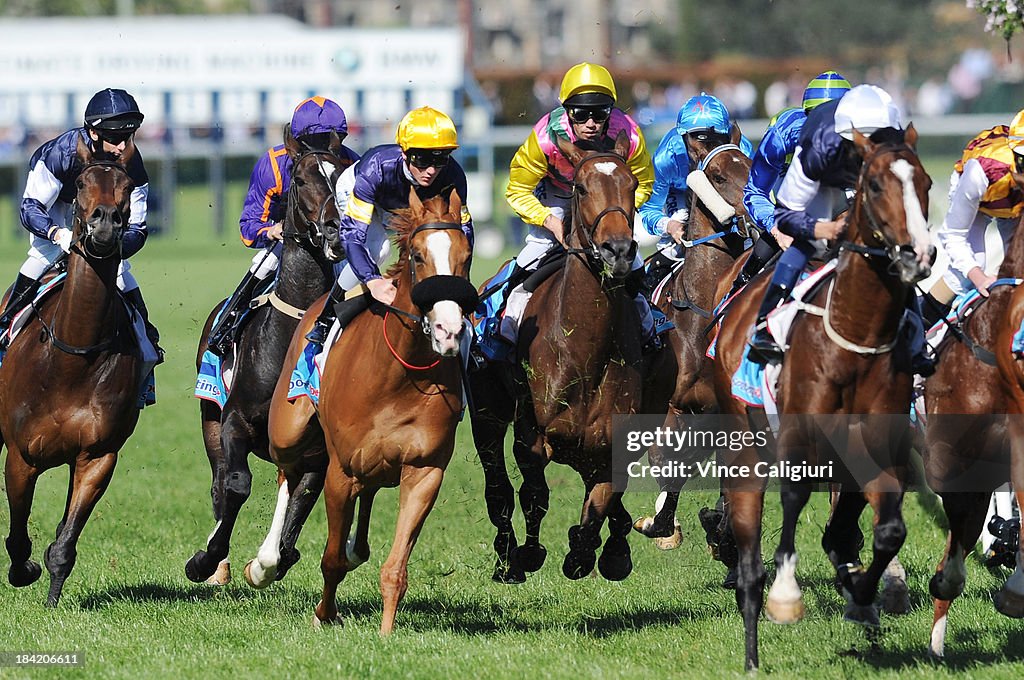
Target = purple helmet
(318,115)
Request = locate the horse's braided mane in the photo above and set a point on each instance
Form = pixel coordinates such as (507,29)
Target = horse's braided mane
(406,221)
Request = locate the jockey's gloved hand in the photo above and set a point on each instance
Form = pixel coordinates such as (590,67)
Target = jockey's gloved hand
(63,237)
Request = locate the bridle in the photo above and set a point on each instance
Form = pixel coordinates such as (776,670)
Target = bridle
(84,228)
(313,235)
(739,223)
(590,250)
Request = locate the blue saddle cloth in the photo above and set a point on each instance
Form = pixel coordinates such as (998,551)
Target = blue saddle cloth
(747,381)
(305,380)
(487,317)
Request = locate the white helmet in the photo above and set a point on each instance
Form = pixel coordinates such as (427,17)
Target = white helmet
(866,108)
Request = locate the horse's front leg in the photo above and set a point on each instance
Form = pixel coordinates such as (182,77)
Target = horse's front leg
(889,534)
(90,477)
(1010,598)
(585,538)
(237,485)
(303,499)
(534,494)
(20,478)
(261,571)
(616,562)
(211,415)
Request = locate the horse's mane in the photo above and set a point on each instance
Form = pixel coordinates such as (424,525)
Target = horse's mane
(406,221)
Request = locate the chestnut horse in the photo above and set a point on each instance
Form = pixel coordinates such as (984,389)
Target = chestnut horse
(579,363)
(967,427)
(391,397)
(839,363)
(310,246)
(69,384)
(714,251)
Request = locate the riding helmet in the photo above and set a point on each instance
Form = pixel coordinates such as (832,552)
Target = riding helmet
(113,109)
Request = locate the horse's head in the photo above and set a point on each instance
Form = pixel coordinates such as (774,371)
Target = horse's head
(436,253)
(604,192)
(891,203)
(716,186)
(102,202)
(311,197)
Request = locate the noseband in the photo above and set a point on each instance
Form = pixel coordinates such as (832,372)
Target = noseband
(590,249)
(314,232)
(739,223)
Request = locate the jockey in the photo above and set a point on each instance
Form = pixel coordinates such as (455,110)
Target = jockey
(371,190)
(110,121)
(982,189)
(815,190)
(770,162)
(540,177)
(263,212)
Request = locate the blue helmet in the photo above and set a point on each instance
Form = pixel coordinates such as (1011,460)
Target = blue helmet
(826,87)
(112,109)
(703,112)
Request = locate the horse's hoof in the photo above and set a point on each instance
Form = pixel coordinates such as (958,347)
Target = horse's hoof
(615,567)
(529,557)
(256,576)
(200,567)
(895,597)
(1009,603)
(784,612)
(318,623)
(578,564)
(942,588)
(670,542)
(288,560)
(862,614)
(649,527)
(24,574)
(731,577)
(222,576)
(508,573)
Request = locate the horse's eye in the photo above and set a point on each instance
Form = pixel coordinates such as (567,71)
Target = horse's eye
(718,179)
(79,184)
(581,190)
(417,258)
(299,182)
(874,186)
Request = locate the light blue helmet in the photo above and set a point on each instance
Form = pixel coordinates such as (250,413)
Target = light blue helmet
(703,112)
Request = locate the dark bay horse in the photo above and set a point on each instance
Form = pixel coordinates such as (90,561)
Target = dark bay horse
(840,363)
(391,397)
(967,427)
(311,245)
(69,385)
(580,363)
(693,293)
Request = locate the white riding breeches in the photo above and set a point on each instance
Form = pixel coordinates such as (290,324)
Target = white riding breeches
(43,252)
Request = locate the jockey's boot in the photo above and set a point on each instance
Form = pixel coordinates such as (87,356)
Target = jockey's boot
(134,297)
(763,348)
(323,323)
(657,269)
(922,362)
(223,332)
(932,311)
(653,323)
(762,251)
(24,290)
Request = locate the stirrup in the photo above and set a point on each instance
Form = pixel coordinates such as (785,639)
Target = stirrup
(318,334)
(763,348)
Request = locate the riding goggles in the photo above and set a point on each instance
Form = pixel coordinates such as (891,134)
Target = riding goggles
(581,114)
(115,137)
(421,159)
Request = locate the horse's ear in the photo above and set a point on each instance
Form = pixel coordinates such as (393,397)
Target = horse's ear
(910,136)
(622,144)
(569,150)
(83,151)
(334,146)
(129,151)
(290,143)
(863,144)
(455,204)
(735,136)
(415,203)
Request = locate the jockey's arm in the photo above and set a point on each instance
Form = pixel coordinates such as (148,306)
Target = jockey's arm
(643,169)
(529,166)
(355,221)
(964,200)
(653,212)
(42,187)
(766,167)
(265,191)
(135,236)
(795,195)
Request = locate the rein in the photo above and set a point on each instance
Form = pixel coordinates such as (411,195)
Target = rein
(314,233)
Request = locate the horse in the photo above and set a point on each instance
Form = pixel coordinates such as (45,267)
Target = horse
(391,397)
(714,254)
(580,363)
(840,362)
(974,386)
(69,385)
(311,245)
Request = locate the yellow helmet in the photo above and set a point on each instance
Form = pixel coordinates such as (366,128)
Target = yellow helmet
(587,79)
(1016,139)
(426,128)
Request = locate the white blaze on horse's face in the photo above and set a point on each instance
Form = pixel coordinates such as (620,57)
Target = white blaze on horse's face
(917,225)
(605,168)
(445,317)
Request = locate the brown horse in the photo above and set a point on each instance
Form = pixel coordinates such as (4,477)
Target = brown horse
(391,397)
(310,246)
(69,385)
(580,363)
(840,363)
(1010,599)
(712,261)
(967,427)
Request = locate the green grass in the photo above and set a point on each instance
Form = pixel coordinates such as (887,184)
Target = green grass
(130,609)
